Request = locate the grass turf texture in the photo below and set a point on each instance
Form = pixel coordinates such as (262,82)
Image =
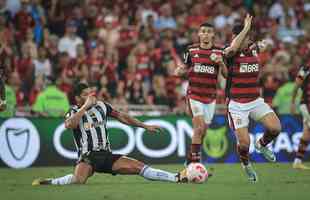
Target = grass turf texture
(276,181)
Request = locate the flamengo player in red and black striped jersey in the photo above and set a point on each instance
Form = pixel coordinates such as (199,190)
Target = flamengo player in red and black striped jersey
(244,99)
(302,81)
(202,64)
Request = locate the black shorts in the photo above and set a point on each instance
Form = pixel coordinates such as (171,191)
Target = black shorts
(101,161)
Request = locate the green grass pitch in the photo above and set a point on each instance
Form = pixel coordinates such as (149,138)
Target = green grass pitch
(276,182)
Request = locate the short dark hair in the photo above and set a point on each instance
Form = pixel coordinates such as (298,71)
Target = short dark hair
(78,88)
(206,24)
(237,28)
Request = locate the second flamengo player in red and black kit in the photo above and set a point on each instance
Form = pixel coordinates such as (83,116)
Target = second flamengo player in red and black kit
(244,99)
(302,81)
(202,64)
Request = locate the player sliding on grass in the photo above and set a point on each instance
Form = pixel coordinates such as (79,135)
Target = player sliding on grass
(302,81)
(202,64)
(88,121)
(244,99)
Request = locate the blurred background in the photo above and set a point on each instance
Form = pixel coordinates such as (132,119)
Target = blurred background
(128,50)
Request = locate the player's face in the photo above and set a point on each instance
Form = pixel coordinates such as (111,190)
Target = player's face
(85,93)
(206,34)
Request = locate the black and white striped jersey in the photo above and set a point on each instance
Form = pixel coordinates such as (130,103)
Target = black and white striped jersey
(91,134)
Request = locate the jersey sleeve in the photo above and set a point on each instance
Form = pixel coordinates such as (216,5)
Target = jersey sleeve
(109,109)
(70,112)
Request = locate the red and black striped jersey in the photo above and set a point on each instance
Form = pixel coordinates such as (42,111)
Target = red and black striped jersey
(202,73)
(243,76)
(304,74)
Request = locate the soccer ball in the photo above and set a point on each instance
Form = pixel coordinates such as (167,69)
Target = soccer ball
(197,173)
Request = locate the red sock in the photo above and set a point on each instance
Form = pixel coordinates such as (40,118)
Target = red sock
(267,138)
(302,147)
(194,154)
(243,152)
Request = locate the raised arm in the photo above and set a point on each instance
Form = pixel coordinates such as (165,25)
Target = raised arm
(236,43)
(73,118)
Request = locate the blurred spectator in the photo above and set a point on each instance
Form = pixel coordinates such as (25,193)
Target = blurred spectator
(109,34)
(51,102)
(283,97)
(70,40)
(147,11)
(165,19)
(36,89)
(10,102)
(42,65)
(23,19)
(128,35)
(38,15)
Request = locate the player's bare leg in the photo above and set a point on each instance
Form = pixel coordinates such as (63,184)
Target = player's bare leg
(273,129)
(82,172)
(302,147)
(243,151)
(126,165)
(200,129)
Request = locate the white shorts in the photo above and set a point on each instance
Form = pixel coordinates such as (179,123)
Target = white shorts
(305,114)
(239,113)
(201,109)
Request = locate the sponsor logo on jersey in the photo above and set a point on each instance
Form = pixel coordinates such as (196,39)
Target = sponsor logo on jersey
(201,68)
(247,68)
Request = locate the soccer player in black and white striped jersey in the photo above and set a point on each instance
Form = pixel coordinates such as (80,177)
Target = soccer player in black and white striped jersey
(88,121)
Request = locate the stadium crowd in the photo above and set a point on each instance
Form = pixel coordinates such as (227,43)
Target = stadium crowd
(129,49)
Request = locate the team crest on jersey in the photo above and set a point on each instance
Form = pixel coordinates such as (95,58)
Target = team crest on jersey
(196,55)
(92,114)
(254,52)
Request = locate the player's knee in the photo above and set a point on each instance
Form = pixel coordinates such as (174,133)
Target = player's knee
(80,180)
(244,147)
(275,129)
(244,142)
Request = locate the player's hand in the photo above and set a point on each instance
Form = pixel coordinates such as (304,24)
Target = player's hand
(180,70)
(154,129)
(293,108)
(90,101)
(248,22)
(218,59)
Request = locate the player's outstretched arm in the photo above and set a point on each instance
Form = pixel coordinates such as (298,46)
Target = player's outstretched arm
(236,43)
(73,120)
(298,83)
(126,119)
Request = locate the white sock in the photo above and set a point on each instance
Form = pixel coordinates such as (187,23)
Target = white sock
(297,161)
(157,174)
(65,180)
